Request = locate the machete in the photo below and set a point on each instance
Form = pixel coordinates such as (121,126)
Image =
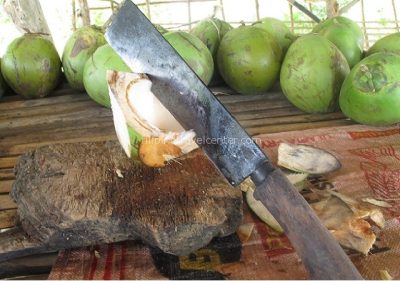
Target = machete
(224,141)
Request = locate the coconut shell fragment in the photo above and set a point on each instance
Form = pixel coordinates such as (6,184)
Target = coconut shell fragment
(306,159)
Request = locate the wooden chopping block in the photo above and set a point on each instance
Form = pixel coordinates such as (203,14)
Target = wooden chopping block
(74,195)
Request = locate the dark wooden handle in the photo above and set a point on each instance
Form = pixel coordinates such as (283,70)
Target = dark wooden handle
(321,254)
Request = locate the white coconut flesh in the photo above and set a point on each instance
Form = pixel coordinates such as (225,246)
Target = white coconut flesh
(134,106)
(306,159)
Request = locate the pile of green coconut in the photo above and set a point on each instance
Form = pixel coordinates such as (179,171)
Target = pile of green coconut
(324,71)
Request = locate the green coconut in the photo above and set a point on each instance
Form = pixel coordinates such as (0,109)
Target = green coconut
(194,52)
(31,66)
(210,31)
(279,30)
(345,40)
(358,33)
(387,44)
(249,60)
(160,28)
(78,49)
(94,73)
(312,74)
(371,93)
(3,84)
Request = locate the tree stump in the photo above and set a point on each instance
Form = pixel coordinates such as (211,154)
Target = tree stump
(72,195)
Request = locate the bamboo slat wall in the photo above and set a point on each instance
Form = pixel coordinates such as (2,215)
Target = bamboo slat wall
(185,15)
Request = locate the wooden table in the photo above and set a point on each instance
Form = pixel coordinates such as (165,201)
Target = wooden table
(70,117)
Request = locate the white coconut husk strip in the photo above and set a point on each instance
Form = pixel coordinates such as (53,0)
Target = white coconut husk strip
(134,106)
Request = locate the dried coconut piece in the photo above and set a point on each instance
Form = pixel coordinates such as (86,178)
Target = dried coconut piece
(347,220)
(261,211)
(384,274)
(376,202)
(244,231)
(143,125)
(306,159)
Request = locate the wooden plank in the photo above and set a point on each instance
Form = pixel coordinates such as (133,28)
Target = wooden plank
(24,122)
(305,118)
(295,127)
(33,111)
(7,162)
(7,174)
(8,218)
(7,203)
(275,112)
(229,99)
(65,96)
(257,105)
(95,136)
(63,131)
(5,186)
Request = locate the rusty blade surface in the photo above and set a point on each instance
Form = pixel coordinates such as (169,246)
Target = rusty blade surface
(145,50)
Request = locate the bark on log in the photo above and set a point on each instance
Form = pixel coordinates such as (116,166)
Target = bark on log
(72,195)
(28,16)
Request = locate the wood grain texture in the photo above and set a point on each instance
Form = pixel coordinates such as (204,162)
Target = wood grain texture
(6,202)
(5,186)
(8,218)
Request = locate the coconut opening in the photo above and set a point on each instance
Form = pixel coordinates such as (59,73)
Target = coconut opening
(135,106)
(142,100)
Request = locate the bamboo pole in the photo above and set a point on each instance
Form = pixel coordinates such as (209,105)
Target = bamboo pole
(257,10)
(73,15)
(291,18)
(304,10)
(221,3)
(395,16)
(189,14)
(364,25)
(148,9)
(84,12)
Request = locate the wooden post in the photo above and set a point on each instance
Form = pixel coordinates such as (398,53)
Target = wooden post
(257,10)
(189,14)
(364,25)
(221,3)
(332,8)
(395,16)
(28,16)
(291,18)
(148,9)
(84,12)
(73,15)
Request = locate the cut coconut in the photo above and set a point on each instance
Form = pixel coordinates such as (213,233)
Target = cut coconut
(306,159)
(144,127)
(297,179)
(261,211)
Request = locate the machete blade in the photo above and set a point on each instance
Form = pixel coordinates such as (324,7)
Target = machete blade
(175,84)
